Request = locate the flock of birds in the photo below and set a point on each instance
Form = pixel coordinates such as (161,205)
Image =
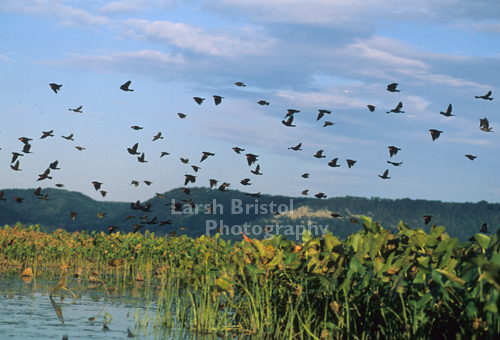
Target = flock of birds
(251,159)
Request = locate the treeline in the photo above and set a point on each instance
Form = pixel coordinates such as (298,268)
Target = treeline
(240,212)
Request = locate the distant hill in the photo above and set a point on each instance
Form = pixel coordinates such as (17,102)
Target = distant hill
(234,208)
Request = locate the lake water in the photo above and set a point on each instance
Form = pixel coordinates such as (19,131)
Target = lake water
(27,311)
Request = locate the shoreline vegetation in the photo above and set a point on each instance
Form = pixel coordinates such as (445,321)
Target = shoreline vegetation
(377,283)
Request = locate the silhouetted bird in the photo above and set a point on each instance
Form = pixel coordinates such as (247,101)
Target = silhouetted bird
(217,99)
(245,181)
(384,176)
(393,150)
(254,195)
(19,199)
(26,148)
(297,147)
(484,125)
(350,162)
(25,140)
(158,136)
(353,220)
(288,122)
(371,107)
(53,165)
(239,84)
(327,123)
(141,158)
(447,113)
(44,197)
(101,215)
(73,214)
(125,87)
(133,150)
(78,109)
(471,157)
(427,218)
(166,222)
(137,227)
(146,208)
(59,185)
(394,163)
(163,153)
(148,183)
(47,134)
(112,228)
(435,134)
(186,191)
(103,193)
(305,192)
(152,221)
(319,154)
(251,158)
(198,100)
(486,96)
(189,178)
(185,160)
(257,170)
(195,168)
(160,195)
(79,148)
(97,185)
(306,175)
(336,215)
(205,155)
(15,167)
(238,150)
(55,87)
(136,128)
(484,229)
(392,87)
(320,195)
(333,163)
(262,102)
(1,196)
(37,191)
(135,183)
(70,137)
(213,183)
(397,109)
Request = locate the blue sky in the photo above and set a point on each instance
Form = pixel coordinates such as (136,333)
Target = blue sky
(305,55)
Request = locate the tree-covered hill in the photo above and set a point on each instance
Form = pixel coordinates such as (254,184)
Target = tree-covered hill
(234,208)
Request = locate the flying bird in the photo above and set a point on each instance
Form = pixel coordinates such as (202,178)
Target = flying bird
(185,160)
(25,140)
(37,191)
(97,185)
(213,183)
(471,157)
(135,183)
(163,153)
(47,134)
(198,100)
(333,163)
(19,199)
(26,148)
(141,158)
(238,150)
(257,170)
(103,193)
(353,220)
(486,96)
(78,109)
(427,218)
(327,123)
(133,149)
(371,107)
(44,197)
(322,112)
(435,134)
(79,148)
(350,162)
(125,87)
(394,163)
(447,113)
(189,178)
(484,228)
(53,165)
(305,175)
(15,155)
(55,87)
(392,87)
(160,195)
(59,185)
(217,99)
(484,125)
(195,168)
(384,176)
(70,137)
(296,147)
(73,214)
(112,228)
(239,84)
(251,158)
(136,128)
(320,195)
(137,227)
(305,192)
(288,122)
(205,155)
(397,109)
(1,196)
(15,167)
(319,154)
(158,136)
(262,102)
(245,181)
(393,150)
(186,191)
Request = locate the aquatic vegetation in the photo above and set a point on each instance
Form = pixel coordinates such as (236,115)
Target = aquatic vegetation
(375,284)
